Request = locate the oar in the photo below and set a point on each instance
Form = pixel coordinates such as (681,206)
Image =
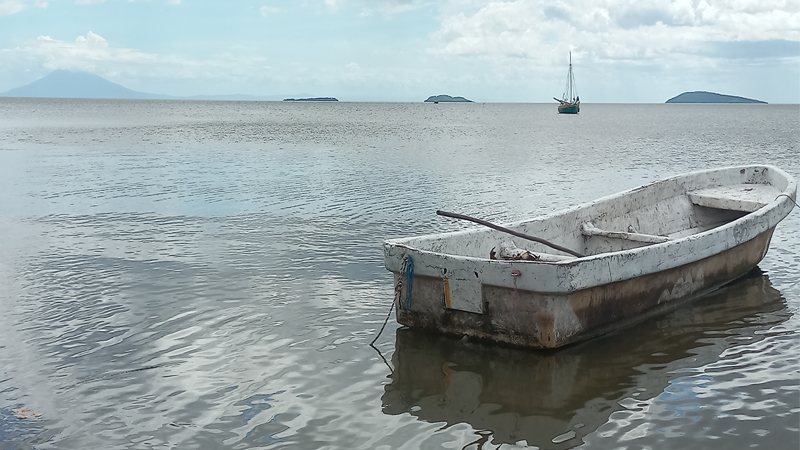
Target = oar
(506,230)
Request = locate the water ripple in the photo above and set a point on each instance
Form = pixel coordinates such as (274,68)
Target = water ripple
(210,274)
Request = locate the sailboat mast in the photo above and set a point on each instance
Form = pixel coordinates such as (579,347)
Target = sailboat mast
(571,97)
(569,91)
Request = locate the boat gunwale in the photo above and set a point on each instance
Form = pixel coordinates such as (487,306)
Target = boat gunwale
(748,226)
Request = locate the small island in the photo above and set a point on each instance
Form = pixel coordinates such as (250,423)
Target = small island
(710,97)
(315,99)
(446,98)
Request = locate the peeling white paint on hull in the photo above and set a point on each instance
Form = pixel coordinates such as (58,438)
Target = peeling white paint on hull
(647,250)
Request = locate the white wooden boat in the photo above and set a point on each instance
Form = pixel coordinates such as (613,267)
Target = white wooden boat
(646,250)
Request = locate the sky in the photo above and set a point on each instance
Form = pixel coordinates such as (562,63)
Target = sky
(623,51)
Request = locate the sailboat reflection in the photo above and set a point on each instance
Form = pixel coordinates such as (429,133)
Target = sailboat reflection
(553,399)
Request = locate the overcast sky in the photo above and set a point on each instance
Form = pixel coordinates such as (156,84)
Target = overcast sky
(623,51)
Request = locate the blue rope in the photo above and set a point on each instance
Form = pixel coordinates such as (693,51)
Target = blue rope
(409,279)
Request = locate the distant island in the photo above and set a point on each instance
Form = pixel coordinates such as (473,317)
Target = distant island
(446,98)
(710,97)
(315,99)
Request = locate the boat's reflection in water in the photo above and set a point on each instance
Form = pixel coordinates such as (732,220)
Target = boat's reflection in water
(553,399)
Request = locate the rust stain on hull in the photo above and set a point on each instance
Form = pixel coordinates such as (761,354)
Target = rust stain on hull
(542,320)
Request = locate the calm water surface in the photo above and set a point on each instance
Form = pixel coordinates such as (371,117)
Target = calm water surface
(210,274)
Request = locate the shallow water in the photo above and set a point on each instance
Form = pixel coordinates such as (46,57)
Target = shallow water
(210,274)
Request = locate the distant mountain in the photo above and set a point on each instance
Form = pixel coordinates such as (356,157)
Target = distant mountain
(314,99)
(710,97)
(67,84)
(446,98)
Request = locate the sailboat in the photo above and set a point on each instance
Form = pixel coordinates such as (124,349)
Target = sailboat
(569,103)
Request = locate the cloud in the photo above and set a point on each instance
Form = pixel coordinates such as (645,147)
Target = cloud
(541,30)
(9,7)
(91,40)
(87,53)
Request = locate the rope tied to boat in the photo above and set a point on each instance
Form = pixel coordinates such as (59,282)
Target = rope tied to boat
(408,274)
(789,197)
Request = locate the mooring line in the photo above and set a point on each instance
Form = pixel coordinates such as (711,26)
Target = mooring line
(372,344)
(790,199)
(384,324)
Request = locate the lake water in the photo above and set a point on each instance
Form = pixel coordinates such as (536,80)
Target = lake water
(210,275)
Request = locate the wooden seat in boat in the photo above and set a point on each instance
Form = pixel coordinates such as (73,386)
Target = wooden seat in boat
(740,197)
(588,229)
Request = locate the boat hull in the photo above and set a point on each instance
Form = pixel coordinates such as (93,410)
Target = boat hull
(534,319)
(572,108)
